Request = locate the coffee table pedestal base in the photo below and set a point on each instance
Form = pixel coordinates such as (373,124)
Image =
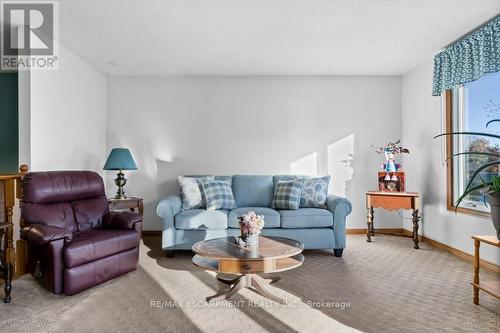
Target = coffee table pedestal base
(238,282)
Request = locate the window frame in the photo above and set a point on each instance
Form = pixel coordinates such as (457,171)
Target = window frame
(450,181)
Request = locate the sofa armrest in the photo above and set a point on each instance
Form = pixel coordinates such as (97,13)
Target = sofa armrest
(41,234)
(167,208)
(121,220)
(340,208)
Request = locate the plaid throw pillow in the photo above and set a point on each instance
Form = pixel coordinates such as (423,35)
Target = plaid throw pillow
(287,194)
(218,194)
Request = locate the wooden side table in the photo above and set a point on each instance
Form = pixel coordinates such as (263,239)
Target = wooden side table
(490,287)
(392,201)
(128,203)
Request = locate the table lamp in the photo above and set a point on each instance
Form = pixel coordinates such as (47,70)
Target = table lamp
(120,159)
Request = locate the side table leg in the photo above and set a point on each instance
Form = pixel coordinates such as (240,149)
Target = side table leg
(369,226)
(476,272)
(416,218)
(141,208)
(373,228)
(8,282)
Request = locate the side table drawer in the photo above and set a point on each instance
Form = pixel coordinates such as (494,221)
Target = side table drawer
(132,204)
(391,203)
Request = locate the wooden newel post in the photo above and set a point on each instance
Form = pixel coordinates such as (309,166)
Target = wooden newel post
(9,251)
(10,190)
(21,253)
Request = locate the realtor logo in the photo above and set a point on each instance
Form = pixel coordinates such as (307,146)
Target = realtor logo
(29,34)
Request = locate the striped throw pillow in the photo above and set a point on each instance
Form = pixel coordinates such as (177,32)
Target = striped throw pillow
(287,194)
(218,194)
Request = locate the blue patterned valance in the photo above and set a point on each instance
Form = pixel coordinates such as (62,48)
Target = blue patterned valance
(469,59)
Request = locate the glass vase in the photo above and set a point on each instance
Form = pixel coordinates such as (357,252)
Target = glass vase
(252,240)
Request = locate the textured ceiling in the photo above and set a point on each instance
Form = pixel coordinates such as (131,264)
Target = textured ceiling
(265,37)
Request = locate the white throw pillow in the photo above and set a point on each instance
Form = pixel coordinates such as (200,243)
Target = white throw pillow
(191,192)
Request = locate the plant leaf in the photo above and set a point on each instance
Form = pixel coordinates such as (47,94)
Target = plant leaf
(492,121)
(466,193)
(478,170)
(473,153)
(468,133)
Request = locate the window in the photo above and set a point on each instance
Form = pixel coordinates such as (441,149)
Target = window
(469,108)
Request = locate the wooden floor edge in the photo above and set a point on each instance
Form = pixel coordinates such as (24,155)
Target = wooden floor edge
(383,231)
(438,245)
(461,254)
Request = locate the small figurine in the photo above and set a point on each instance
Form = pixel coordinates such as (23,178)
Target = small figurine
(391,167)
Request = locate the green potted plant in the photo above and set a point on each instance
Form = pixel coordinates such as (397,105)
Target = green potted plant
(490,188)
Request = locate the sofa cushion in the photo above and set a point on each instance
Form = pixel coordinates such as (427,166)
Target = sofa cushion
(201,219)
(191,192)
(306,218)
(314,192)
(253,191)
(287,194)
(95,244)
(218,194)
(272,218)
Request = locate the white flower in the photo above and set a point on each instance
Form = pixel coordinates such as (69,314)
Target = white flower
(251,223)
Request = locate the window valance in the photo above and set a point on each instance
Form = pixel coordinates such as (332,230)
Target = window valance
(468,59)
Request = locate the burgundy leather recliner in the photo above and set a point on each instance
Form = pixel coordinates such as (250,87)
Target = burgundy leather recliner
(74,243)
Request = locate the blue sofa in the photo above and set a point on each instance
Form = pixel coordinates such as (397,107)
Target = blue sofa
(316,228)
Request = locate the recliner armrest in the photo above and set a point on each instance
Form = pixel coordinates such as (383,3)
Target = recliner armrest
(42,234)
(121,220)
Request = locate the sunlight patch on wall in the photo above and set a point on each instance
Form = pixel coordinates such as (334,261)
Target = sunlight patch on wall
(307,165)
(340,156)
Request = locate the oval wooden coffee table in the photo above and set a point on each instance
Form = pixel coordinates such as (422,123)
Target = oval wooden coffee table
(238,265)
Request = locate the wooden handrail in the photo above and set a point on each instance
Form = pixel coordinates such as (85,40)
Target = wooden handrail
(23,169)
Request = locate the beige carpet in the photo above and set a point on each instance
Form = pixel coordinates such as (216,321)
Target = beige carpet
(385,286)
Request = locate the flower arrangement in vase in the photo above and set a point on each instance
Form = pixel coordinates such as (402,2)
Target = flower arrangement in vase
(251,225)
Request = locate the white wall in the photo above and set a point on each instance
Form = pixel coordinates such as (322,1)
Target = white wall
(68,116)
(422,118)
(253,125)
